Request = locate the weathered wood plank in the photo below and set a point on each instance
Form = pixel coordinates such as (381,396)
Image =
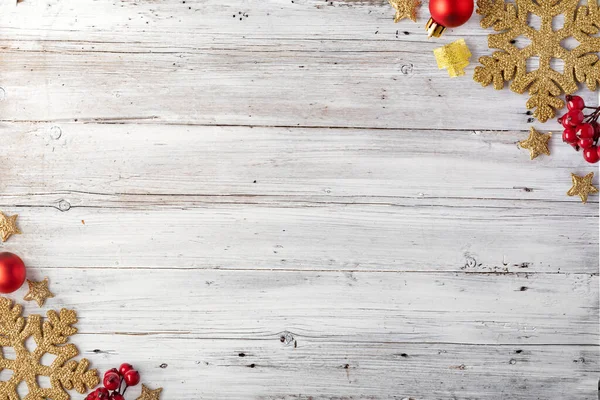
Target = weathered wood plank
(355,307)
(304,164)
(309,63)
(191,369)
(363,237)
(293,199)
(424,258)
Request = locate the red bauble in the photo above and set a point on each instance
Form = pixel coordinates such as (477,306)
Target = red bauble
(451,13)
(12,272)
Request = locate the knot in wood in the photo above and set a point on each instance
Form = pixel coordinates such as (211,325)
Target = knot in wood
(55,132)
(286,338)
(64,205)
(406,69)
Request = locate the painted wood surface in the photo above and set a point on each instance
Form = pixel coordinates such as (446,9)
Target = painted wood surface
(288,200)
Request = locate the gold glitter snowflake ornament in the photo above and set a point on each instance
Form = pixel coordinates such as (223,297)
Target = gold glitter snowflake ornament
(50,337)
(544,83)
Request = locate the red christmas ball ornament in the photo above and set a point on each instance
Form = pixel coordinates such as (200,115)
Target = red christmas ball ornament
(12,272)
(447,14)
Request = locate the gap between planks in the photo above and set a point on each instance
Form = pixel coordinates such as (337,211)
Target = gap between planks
(333,271)
(149,121)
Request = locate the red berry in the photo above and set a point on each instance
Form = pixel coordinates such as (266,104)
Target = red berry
(560,120)
(586,143)
(585,130)
(132,377)
(573,118)
(117,396)
(124,368)
(575,103)
(598,152)
(575,146)
(591,155)
(102,394)
(112,381)
(569,135)
(596,130)
(112,370)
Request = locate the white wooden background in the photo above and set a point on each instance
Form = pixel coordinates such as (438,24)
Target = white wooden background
(276,199)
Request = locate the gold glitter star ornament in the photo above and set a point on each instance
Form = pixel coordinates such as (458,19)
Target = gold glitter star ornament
(50,337)
(8,226)
(38,291)
(582,186)
(405,9)
(545,83)
(536,143)
(148,394)
(454,57)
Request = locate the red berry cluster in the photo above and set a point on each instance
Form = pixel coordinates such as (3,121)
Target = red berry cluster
(113,380)
(581,130)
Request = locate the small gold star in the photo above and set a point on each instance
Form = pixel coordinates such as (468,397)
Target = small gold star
(8,226)
(582,186)
(38,291)
(148,394)
(405,9)
(536,143)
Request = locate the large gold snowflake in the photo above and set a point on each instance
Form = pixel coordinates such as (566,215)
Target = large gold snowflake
(50,337)
(545,84)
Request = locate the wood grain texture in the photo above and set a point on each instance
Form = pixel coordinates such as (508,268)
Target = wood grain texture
(288,200)
(407,307)
(284,63)
(321,369)
(225,197)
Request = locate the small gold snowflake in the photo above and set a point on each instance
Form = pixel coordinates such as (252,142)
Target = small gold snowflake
(545,83)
